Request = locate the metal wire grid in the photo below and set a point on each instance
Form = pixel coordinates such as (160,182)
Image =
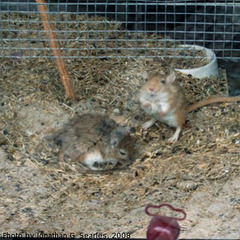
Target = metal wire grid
(106,29)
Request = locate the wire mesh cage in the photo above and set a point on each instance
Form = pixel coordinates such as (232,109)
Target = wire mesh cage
(107,47)
(122,29)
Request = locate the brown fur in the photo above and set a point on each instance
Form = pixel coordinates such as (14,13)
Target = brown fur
(93,133)
(153,101)
(205,102)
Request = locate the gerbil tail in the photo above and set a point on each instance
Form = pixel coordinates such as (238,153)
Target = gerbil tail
(210,101)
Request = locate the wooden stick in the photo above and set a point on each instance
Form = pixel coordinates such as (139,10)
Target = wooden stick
(55,49)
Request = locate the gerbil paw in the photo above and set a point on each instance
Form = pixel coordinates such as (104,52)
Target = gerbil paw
(172,139)
(175,136)
(148,124)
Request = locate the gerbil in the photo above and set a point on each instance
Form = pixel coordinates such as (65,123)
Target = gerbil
(162,98)
(94,138)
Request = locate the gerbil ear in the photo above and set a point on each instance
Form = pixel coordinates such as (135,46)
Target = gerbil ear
(145,75)
(171,77)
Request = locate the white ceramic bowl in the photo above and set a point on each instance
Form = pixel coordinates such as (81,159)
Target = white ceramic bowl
(209,70)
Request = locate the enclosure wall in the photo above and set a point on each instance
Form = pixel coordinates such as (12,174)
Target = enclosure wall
(106,29)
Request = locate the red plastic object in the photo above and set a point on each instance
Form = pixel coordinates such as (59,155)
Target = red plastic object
(163,227)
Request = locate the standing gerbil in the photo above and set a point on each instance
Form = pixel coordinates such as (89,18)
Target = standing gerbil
(162,98)
(94,139)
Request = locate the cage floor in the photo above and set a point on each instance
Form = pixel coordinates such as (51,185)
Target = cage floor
(200,173)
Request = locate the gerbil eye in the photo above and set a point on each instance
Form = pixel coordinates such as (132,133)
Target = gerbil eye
(114,142)
(163,81)
(122,152)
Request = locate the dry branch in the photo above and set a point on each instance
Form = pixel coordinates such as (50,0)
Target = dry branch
(55,49)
